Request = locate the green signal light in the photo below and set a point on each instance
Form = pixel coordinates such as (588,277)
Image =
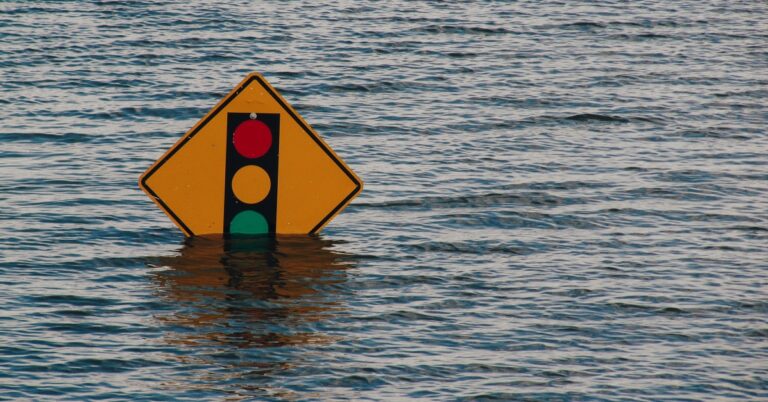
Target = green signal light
(249,223)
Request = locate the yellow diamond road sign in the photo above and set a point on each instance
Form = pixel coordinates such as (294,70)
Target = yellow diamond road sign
(252,165)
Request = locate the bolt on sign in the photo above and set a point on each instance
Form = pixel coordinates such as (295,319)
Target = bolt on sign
(251,166)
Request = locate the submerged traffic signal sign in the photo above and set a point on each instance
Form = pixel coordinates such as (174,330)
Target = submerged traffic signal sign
(251,166)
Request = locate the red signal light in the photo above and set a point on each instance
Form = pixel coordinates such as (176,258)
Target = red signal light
(252,138)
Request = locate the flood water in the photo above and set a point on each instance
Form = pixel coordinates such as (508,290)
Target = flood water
(562,202)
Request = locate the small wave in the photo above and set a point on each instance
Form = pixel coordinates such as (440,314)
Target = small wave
(476,200)
(585,25)
(70,299)
(382,87)
(518,220)
(593,117)
(640,37)
(458,29)
(480,247)
(133,113)
(176,113)
(461,55)
(38,138)
(552,121)
(714,132)
(757,93)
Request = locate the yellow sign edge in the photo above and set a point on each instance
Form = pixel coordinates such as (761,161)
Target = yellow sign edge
(215,110)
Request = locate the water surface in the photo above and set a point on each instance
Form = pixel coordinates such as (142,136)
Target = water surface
(562,201)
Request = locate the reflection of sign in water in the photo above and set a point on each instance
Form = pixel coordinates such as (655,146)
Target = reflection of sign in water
(234,312)
(252,165)
(256,292)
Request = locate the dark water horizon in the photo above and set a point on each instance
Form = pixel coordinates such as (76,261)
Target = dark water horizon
(563,201)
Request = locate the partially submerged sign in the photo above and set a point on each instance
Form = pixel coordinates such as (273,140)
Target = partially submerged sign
(252,165)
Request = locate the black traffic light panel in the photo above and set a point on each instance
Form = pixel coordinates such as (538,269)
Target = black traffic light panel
(250,187)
